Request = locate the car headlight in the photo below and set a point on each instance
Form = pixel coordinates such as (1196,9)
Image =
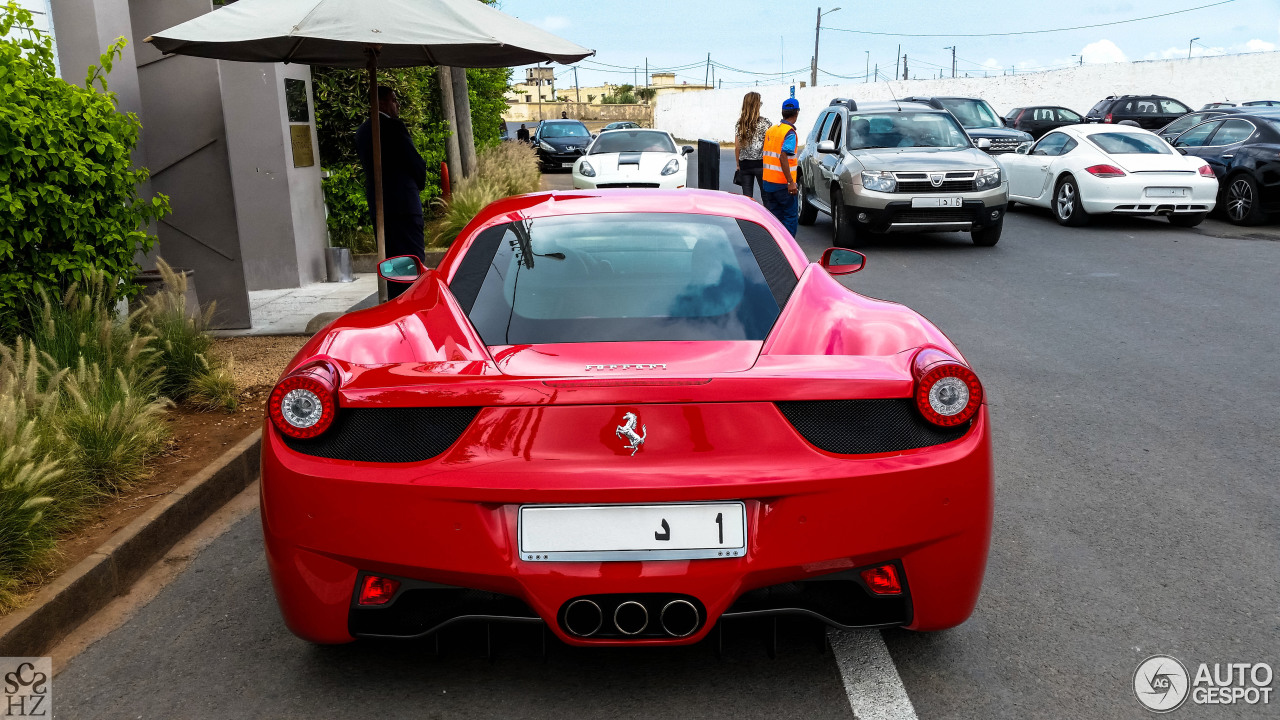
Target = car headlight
(672,167)
(545,146)
(879,181)
(987,179)
(585,169)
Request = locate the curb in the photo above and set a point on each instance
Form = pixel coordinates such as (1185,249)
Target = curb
(87,587)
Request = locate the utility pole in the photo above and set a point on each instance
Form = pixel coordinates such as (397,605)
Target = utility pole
(646,72)
(953,59)
(867,76)
(877,72)
(896,59)
(577,91)
(707,76)
(904,66)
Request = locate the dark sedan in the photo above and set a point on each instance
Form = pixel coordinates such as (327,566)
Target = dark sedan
(1190,120)
(560,143)
(621,125)
(1040,119)
(1244,152)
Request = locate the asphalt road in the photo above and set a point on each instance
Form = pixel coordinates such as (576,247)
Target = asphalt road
(1135,414)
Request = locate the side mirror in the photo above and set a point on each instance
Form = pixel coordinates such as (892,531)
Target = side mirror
(826,147)
(984,143)
(686,150)
(840,261)
(401,269)
(1182,150)
(1024,148)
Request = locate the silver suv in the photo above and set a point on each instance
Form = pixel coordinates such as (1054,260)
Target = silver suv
(898,167)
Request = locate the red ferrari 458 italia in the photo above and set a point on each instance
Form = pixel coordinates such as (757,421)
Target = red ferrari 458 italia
(627,415)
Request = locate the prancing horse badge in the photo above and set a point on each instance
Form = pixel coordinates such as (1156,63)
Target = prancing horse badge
(627,431)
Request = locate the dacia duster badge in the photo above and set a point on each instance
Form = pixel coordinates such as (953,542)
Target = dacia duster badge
(898,167)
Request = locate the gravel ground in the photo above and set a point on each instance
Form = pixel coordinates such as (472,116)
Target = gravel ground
(256,362)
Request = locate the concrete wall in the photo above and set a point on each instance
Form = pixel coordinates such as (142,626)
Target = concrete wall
(711,114)
(532,112)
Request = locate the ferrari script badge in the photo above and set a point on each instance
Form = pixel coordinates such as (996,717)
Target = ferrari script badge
(627,431)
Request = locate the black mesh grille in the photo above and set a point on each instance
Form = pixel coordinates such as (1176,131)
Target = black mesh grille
(627,185)
(773,264)
(856,427)
(932,215)
(388,435)
(924,186)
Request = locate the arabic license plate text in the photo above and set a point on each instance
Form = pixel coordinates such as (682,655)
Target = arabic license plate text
(593,533)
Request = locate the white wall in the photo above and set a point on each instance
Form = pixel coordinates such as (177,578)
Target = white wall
(710,115)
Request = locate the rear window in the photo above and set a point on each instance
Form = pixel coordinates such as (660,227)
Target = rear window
(619,277)
(1131,144)
(1100,107)
(619,141)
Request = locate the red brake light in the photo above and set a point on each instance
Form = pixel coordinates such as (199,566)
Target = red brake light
(375,590)
(883,579)
(947,392)
(1206,171)
(1105,171)
(304,404)
(1107,119)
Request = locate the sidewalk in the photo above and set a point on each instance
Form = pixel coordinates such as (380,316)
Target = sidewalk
(287,311)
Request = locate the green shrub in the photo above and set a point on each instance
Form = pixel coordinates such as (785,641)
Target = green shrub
(69,202)
(348,220)
(512,166)
(470,197)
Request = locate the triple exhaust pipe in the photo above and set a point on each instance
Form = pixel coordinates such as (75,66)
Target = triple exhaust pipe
(678,618)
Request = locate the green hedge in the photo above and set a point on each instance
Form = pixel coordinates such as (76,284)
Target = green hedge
(69,202)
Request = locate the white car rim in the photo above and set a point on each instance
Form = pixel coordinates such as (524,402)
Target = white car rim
(1239,200)
(1066,200)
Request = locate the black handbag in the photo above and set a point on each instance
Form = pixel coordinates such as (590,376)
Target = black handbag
(737,177)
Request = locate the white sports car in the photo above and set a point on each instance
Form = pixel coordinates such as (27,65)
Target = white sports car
(632,159)
(1083,170)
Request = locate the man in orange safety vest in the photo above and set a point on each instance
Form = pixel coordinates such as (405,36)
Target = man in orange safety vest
(778,189)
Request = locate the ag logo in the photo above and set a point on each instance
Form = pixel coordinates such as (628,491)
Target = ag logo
(1161,683)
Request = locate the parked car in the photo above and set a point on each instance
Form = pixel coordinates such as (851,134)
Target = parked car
(1244,153)
(610,415)
(632,159)
(1261,103)
(560,143)
(1190,120)
(898,167)
(1151,112)
(1086,170)
(621,125)
(980,121)
(1040,119)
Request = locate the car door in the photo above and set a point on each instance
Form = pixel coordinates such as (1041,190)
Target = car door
(1220,150)
(1194,141)
(812,168)
(1029,173)
(830,163)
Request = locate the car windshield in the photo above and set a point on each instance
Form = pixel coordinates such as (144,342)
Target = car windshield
(625,141)
(618,277)
(905,129)
(1130,144)
(564,130)
(972,113)
(1187,121)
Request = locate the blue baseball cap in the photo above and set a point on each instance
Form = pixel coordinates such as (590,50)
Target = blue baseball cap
(790,104)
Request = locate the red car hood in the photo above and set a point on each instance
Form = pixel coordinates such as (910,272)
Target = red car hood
(828,342)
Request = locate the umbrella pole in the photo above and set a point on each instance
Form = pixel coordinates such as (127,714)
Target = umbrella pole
(375,126)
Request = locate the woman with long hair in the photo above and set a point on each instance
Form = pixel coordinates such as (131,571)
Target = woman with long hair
(748,143)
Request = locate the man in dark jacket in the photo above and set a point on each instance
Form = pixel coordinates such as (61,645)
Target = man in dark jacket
(404,175)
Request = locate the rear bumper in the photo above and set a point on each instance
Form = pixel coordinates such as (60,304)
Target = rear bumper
(1130,195)
(813,515)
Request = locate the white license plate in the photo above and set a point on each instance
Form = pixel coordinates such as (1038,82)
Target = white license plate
(593,533)
(1162,192)
(930,202)
(566,165)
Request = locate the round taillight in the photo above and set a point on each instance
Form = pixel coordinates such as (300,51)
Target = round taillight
(948,394)
(303,405)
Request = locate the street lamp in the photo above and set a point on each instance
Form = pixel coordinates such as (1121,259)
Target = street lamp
(1193,42)
(817,29)
(1081,59)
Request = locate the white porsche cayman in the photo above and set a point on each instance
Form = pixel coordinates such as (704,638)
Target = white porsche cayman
(632,159)
(1082,170)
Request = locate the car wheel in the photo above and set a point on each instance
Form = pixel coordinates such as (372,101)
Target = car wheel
(1187,220)
(843,232)
(1067,208)
(989,235)
(1243,207)
(808,211)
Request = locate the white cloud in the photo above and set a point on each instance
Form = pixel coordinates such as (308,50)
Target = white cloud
(1103,51)
(1256,45)
(552,23)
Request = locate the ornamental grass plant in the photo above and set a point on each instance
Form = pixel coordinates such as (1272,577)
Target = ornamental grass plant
(509,168)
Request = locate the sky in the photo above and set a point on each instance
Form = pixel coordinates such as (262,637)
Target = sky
(770,42)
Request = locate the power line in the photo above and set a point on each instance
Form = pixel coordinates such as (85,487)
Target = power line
(1030,32)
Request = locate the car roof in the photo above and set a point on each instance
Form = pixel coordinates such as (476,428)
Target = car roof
(1098,129)
(560,121)
(881,106)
